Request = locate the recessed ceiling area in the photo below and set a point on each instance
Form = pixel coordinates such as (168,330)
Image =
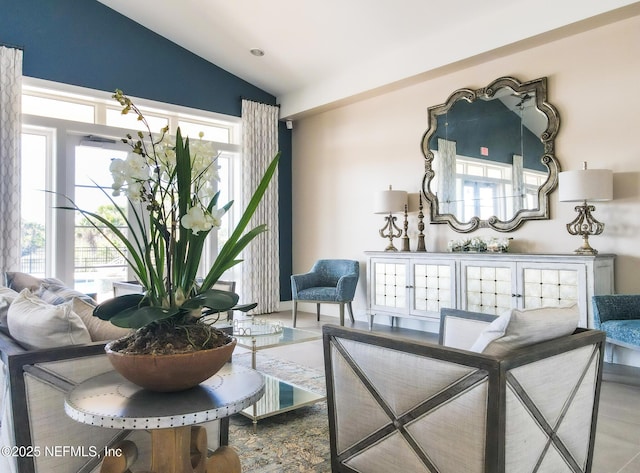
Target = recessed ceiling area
(318,53)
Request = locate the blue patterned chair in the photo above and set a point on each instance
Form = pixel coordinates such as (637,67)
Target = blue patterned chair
(330,281)
(618,315)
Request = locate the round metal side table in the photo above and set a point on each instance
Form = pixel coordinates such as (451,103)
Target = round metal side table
(177,445)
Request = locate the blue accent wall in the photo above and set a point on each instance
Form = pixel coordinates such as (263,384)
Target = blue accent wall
(84,43)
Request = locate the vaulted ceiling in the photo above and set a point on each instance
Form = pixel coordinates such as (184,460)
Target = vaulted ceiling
(318,53)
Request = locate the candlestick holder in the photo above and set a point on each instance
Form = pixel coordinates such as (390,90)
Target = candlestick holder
(405,238)
(421,244)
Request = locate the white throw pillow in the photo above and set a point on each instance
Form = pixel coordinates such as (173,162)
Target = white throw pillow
(100,330)
(36,324)
(518,328)
(7,296)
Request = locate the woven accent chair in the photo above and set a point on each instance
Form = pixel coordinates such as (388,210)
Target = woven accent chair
(330,281)
(618,315)
(408,406)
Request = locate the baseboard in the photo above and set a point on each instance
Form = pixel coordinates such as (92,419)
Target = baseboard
(285,305)
(621,374)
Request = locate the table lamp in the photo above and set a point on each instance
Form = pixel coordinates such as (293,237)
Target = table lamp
(390,202)
(583,186)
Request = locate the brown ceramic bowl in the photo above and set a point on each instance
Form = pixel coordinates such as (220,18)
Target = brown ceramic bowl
(167,373)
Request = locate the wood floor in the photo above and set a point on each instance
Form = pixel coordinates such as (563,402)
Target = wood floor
(618,434)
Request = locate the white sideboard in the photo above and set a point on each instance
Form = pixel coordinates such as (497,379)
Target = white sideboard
(418,285)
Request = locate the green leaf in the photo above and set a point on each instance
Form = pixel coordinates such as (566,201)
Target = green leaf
(183,181)
(138,235)
(112,307)
(137,317)
(245,307)
(214,299)
(237,241)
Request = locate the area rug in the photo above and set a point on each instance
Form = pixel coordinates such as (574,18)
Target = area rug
(294,441)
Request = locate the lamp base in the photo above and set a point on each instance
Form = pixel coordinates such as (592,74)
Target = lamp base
(584,225)
(586,248)
(392,232)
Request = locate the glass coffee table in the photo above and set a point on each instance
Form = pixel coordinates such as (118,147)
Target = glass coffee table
(279,396)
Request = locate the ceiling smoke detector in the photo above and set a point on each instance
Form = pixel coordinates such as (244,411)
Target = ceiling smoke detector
(257,52)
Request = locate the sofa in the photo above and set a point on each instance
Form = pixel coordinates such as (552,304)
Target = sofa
(49,342)
(496,395)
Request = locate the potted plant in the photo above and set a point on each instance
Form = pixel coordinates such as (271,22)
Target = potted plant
(172,208)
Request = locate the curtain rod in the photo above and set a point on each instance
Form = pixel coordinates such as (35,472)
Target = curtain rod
(260,101)
(14,46)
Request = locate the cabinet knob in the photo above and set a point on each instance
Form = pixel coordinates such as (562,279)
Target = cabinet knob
(516,295)
(409,287)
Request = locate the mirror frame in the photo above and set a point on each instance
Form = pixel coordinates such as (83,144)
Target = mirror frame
(539,86)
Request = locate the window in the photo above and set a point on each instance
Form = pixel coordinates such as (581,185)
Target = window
(56,108)
(37,147)
(69,137)
(131,122)
(211,132)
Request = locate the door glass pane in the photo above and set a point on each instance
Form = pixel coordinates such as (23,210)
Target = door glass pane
(33,204)
(96,263)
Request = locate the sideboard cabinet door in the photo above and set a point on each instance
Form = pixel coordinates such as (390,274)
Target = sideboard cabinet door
(488,287)
(433,287)
(389,285)
(561,284)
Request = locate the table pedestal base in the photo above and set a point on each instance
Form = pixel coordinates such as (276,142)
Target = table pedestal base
(174,450)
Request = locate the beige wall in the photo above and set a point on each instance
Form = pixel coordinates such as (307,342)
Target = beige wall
(341,157)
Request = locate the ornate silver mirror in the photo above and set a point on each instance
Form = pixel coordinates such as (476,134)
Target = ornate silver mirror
(489,156)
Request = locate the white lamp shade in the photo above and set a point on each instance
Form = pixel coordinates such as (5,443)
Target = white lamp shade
(586,184)
(389,202)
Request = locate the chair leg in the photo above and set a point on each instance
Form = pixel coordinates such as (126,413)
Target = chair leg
(318,311)
(342,313)
(350,312)
(295,313)
(609,355)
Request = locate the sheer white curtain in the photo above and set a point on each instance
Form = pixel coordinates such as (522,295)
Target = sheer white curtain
(10,108)
(261,266)
(517,177)
(447,198)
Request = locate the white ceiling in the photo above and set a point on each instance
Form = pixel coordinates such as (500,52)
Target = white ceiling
(322,52)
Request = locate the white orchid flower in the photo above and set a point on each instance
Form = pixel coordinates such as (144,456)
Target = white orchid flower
(197,220)
(137,167)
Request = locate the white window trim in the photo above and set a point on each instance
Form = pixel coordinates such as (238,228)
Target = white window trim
(103,100)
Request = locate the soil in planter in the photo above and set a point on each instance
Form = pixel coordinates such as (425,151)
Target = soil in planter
(165,339)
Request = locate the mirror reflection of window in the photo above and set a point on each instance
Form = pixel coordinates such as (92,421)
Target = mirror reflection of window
(481,199)
(533,180)
(484,189)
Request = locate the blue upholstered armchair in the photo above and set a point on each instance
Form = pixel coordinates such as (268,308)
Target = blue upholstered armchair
(618,315)
(330,281)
